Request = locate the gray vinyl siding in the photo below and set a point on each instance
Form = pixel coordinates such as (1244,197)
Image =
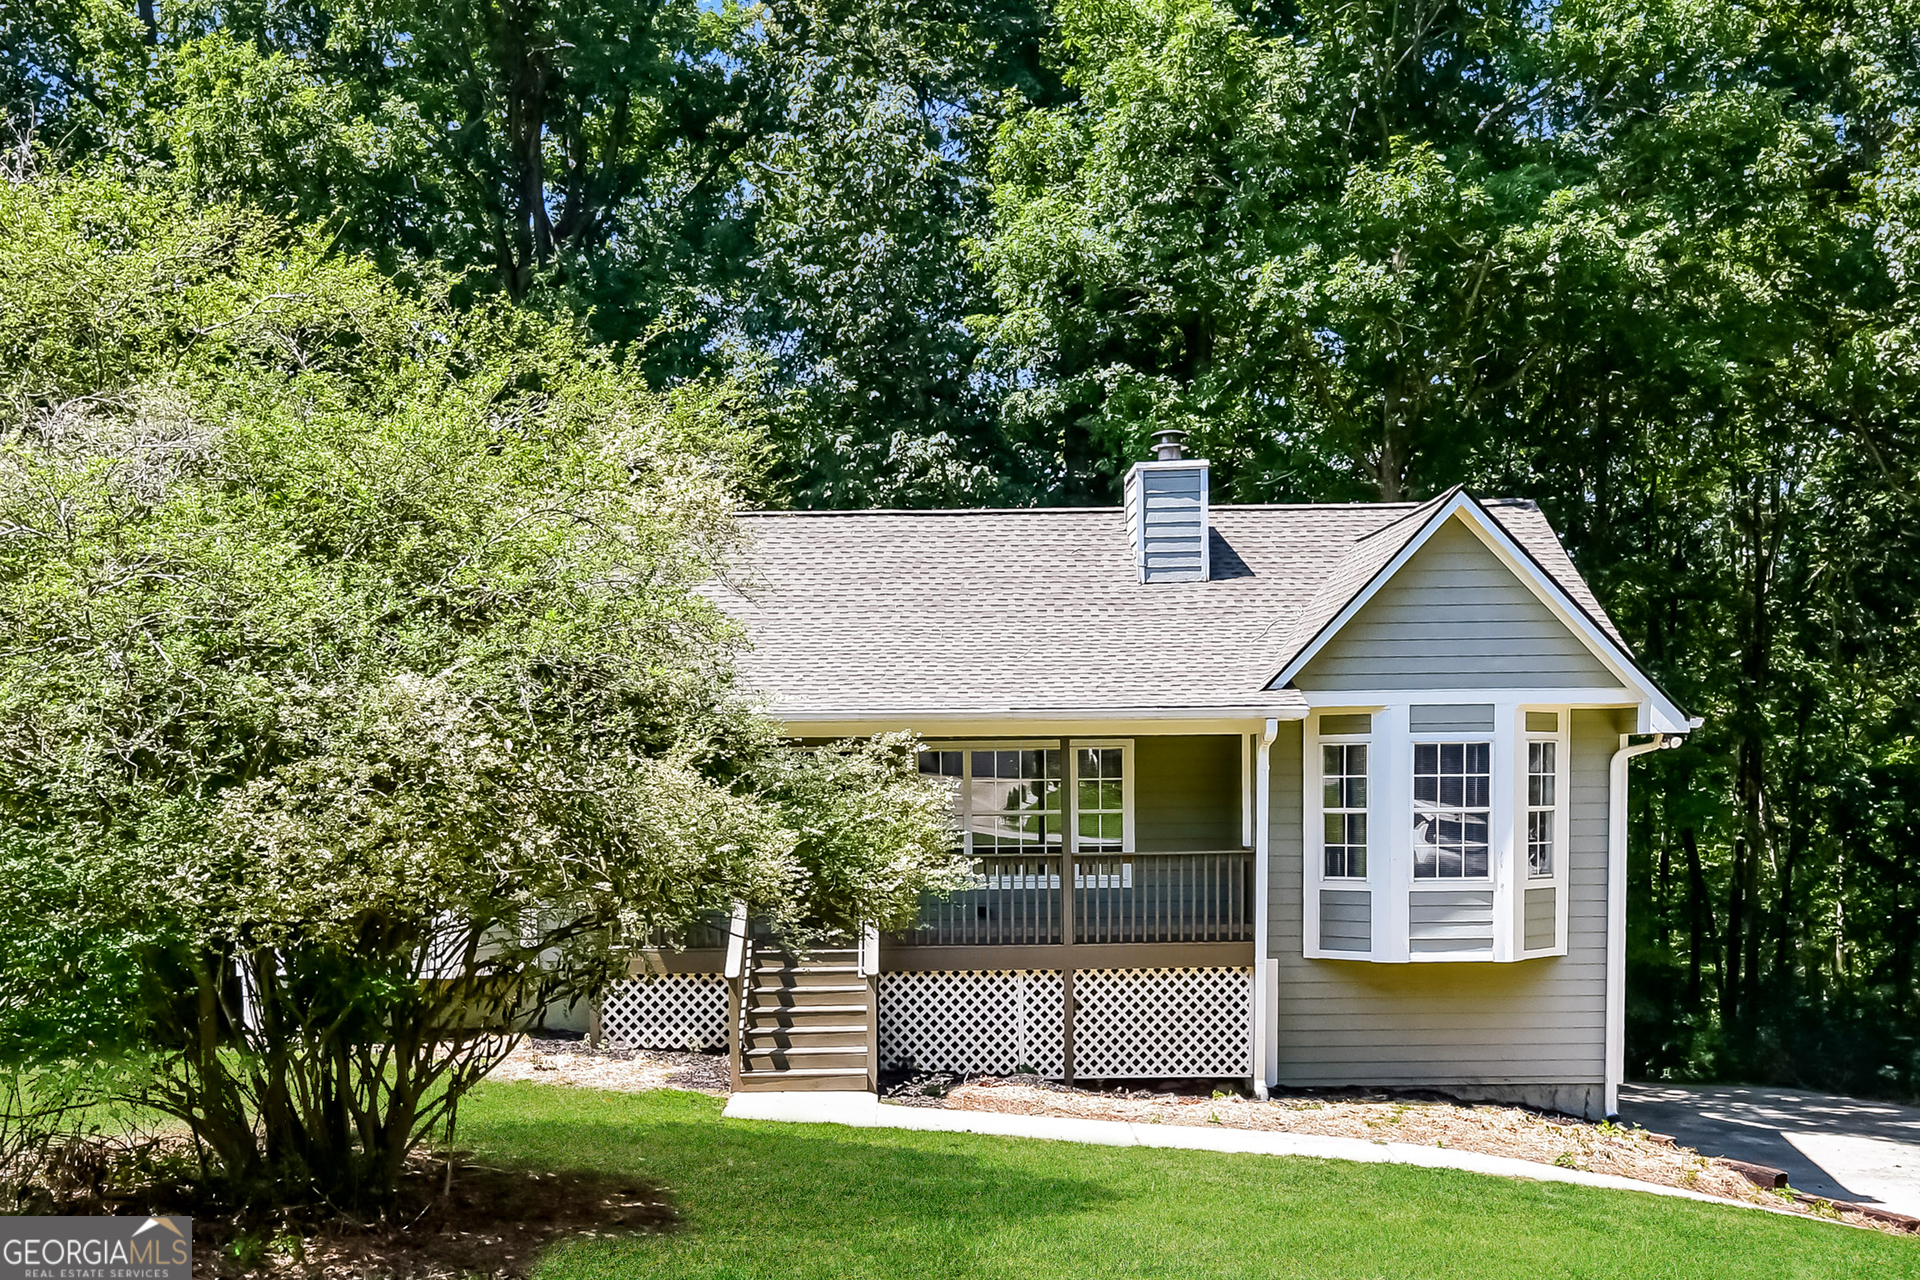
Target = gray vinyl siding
(1346,920)
(1172,535)
(1186,793)
(1466,717)
(1534,1022)
(1454,617)
(1285,849)
(1450,920)
(1540,919)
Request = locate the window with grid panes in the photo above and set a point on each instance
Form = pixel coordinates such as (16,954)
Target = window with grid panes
(1343,779)
(1452,792)
(1100,803)
(1006,800)
(1540,807)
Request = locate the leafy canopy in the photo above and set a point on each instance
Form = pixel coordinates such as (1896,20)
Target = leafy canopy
(358,699)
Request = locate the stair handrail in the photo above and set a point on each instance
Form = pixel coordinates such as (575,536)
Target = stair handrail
(869,950)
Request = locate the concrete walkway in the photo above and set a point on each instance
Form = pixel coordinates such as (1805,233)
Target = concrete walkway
(1843,1148)
(865,1111)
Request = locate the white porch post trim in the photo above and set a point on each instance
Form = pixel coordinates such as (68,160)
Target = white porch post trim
(1617,915)
(1262,850)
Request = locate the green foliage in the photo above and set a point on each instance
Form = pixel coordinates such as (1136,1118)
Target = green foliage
(1651,263)
(358,700)
(775,190)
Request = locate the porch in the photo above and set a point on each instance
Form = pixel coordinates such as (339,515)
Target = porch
(1128,910)
(1105,931)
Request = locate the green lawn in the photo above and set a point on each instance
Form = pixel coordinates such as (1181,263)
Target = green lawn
(798,1202)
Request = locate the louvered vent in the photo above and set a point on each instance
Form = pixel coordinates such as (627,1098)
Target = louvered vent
(1167,513)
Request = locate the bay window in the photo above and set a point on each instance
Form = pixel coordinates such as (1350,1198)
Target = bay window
(1435,832)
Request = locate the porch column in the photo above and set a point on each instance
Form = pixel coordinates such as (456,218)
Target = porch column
(1262,849)
(1068,837)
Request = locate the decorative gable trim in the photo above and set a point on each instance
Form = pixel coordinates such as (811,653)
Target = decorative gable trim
(1659,712)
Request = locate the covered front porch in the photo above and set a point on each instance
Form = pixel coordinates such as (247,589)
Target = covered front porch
(1106,932)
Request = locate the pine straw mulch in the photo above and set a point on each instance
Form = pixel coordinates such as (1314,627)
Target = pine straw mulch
(574,1062)
(1417,1119)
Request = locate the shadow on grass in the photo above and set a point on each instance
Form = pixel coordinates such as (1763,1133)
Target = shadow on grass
(831,1206)
(812,1176)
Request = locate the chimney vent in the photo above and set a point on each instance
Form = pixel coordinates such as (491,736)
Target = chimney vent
(1167,513)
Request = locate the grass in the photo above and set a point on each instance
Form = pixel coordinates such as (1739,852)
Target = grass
(816,1202)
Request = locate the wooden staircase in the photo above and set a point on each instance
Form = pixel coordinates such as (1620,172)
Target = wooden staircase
(803,1021)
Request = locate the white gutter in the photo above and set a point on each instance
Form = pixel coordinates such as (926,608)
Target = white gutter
(1043,715)
(1262,841)
(1617,914)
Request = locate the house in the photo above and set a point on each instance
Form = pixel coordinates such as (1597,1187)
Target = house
(1323,795)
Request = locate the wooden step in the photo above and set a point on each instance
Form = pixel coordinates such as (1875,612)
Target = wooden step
(805,1009)
(844,979)
(782,1014)
(757,1060)
(778,1083)
(760,1031)
(831,1080)
(772,996)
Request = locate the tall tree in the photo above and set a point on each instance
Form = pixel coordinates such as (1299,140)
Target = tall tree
(358,699)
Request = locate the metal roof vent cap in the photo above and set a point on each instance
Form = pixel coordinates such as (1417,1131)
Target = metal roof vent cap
(1169,445)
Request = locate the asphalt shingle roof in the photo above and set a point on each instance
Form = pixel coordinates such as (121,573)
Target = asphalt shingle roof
(1033,611)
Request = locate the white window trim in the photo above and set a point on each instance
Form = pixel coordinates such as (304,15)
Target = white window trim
(1320,764)
(1070,778)
(1562,830)
(1492,738)
(1314,875)
(1128,827)
(1389,876)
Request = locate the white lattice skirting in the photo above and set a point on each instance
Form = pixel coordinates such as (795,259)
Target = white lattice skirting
(670,1011)
(980,1020)
(1128,1023)
(1162,1023)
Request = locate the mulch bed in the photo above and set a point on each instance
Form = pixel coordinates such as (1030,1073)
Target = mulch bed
(559,1060)
(493,1223)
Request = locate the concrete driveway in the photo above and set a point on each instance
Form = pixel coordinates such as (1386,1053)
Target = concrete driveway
(1843,1148)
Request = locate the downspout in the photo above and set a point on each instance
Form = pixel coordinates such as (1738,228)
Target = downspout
(1617,912)
(1262,852)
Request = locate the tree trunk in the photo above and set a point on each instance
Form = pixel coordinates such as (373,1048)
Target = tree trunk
(1699,916)
(1730,990)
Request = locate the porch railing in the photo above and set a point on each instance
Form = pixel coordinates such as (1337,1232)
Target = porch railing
(1013,902)
(1117,898)
(1164,897)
